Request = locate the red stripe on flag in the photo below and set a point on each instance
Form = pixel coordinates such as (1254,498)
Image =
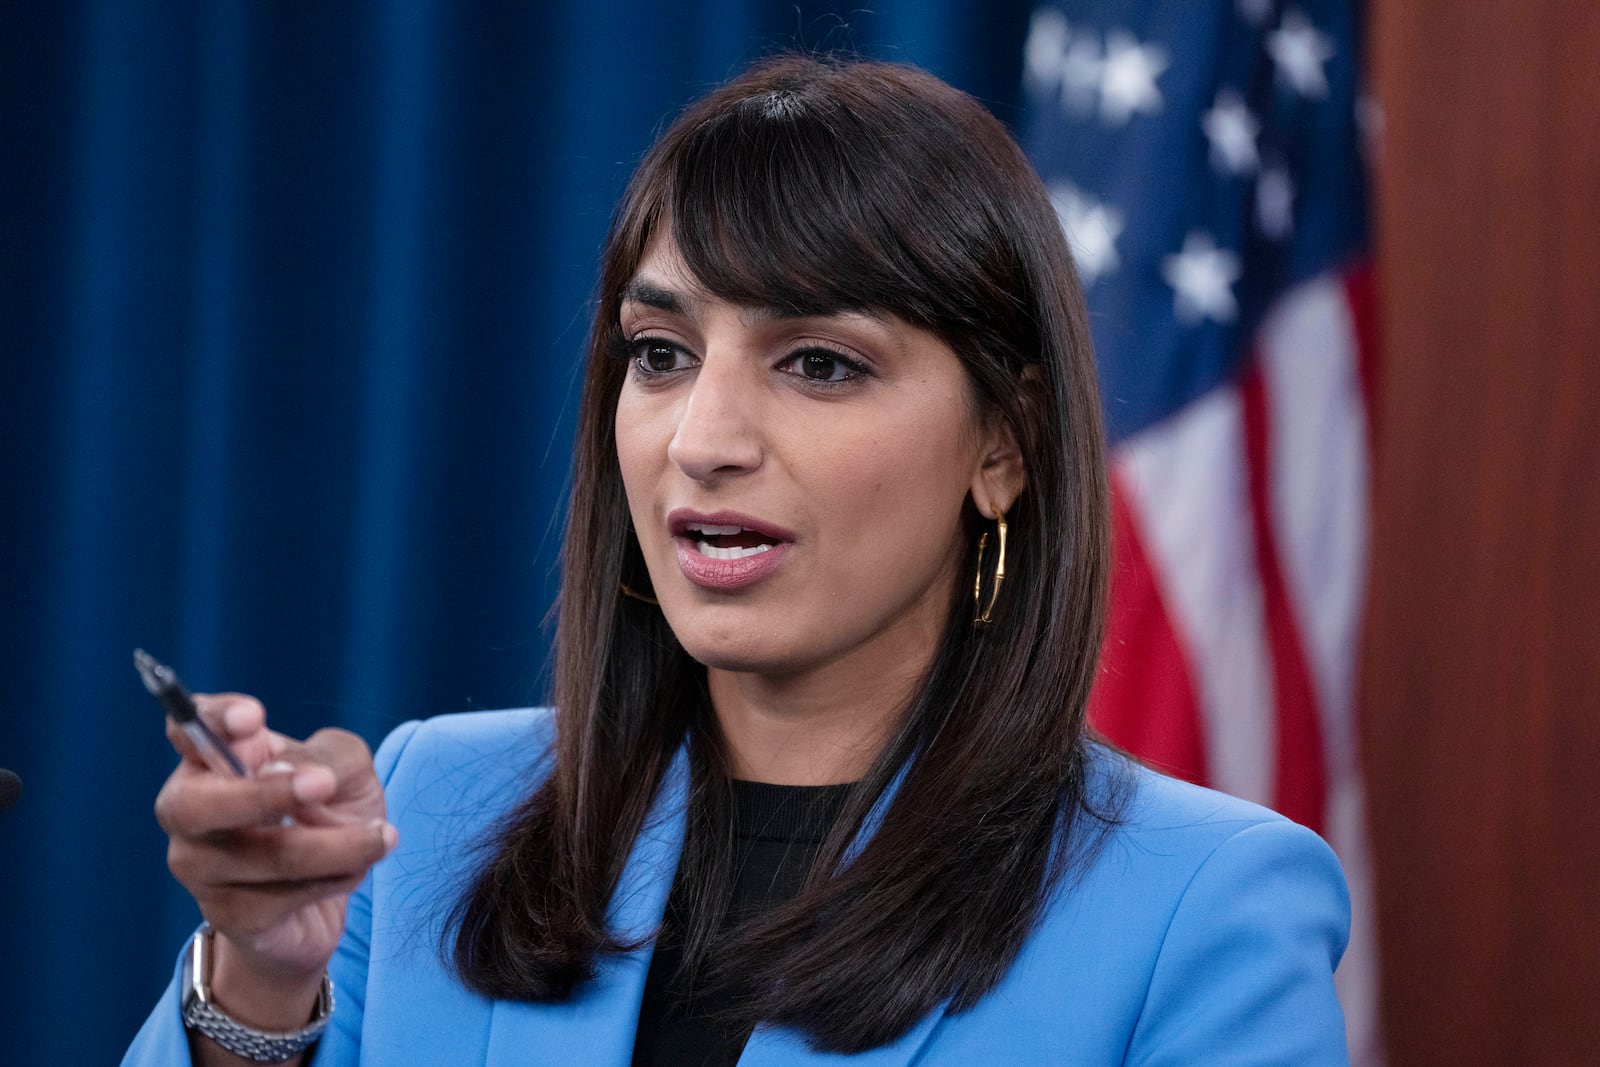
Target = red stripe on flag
(1143,699)
(1301,788)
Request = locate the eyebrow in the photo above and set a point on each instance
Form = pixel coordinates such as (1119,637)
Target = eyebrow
(654,295)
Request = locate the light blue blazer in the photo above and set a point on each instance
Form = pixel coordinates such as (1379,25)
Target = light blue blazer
(1206,930)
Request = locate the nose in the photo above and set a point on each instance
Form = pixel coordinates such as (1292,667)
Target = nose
(718,433)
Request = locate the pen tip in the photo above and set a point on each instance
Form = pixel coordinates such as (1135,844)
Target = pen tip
(155,674)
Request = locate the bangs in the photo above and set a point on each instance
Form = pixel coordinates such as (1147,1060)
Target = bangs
(789,200)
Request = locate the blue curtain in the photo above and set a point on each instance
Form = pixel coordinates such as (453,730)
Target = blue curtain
(292,302)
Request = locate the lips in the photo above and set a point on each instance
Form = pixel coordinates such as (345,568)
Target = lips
(727,550)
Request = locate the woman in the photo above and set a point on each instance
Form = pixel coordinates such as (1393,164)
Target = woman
(833,591)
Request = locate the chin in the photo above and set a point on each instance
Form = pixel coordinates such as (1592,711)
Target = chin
(743,646)
(744,656)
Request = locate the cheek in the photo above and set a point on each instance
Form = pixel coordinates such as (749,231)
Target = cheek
(639,452)
(896,499)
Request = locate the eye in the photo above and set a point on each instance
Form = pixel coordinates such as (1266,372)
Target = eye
(825,366)
(656,355)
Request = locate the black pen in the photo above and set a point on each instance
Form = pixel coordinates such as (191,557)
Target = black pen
(163,684)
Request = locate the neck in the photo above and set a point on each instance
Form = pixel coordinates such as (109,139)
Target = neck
(822,726)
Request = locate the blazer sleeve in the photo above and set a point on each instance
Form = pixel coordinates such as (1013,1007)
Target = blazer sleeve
(163,1041)
(1245,971)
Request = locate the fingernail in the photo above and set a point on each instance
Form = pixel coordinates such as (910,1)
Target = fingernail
(237,718)
(391,836)
(277,766)
(310,784)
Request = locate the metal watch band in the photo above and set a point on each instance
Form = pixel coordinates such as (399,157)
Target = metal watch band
(261,1046)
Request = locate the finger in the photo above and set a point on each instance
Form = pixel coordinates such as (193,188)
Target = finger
(196,802)
(241,721)
(234,716)
(280,856)
(350,794)
(185,747)
(348,756)
(238,720)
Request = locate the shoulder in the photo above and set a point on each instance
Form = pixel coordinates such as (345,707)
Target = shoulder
(486,732)
(1174,818)
(449,783)
(1225,921)
(1188,922)
(450,779)
(1173,840)
(491,747)
(1248,915)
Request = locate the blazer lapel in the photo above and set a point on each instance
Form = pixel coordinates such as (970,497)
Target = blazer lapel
(782,1047)
(597,1025)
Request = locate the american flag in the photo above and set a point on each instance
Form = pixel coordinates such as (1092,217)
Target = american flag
(1204,157)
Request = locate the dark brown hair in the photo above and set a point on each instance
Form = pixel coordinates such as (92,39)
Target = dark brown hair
(819,186)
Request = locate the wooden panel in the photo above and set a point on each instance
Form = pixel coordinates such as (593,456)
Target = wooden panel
(1481,689)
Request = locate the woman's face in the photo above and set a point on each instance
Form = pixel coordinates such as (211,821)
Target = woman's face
(796,484)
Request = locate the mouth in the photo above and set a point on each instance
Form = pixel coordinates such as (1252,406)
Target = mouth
(726,550)
(728,542)
(726,535)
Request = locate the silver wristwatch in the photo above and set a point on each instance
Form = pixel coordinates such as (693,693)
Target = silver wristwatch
(202,1015)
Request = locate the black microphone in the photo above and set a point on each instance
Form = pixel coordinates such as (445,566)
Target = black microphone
(10,788)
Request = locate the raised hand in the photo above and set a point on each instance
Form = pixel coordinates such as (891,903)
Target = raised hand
(272,858)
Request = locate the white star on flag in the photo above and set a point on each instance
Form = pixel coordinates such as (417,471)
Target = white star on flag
(1092,230)
(1048,34)
(1231,129)
(1128,78)
(1298,50)
(1255,12)
(1202,277)
(1082,70)
(1055,58)
(1275,203)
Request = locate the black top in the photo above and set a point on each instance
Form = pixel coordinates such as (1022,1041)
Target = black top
(778,830)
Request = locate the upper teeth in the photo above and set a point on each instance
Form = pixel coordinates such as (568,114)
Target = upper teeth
(706,548)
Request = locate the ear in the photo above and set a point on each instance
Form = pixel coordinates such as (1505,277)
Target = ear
(1000,477)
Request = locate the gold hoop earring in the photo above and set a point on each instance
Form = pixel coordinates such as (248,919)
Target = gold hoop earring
(632,565)
(627,592)
(980,613)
